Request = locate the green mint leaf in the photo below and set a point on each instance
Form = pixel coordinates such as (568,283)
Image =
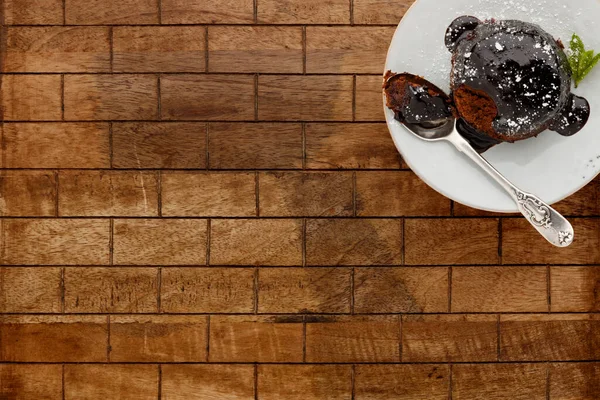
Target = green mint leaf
(591,62)
(580,60)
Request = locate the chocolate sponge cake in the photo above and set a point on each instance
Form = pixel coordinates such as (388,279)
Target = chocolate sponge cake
(511,80)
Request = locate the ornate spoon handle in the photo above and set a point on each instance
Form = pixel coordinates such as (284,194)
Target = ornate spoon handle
(546,220)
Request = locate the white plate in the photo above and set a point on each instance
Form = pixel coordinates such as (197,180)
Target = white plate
(550,166)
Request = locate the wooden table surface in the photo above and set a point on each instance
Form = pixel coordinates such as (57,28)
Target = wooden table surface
(200,200)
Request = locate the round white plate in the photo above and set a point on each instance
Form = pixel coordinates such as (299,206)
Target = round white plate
(550,166)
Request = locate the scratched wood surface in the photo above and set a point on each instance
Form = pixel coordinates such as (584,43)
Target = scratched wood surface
(199,199)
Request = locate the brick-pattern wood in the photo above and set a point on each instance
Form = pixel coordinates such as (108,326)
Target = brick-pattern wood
(199,199)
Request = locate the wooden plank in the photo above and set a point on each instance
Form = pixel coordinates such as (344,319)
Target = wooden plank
(159,241)
(57,49)
(315,194)
(353,242)
(401,382)
(265,49)
(33,12)
(305,382)
(353,338)
(380,11)
(449,338)
(304,290)
(208,194)
(397,193)
(108,193)
(303,11)
(255,145)
(116,97)
(369,102)
(31,381)
(549,337)
(575,289)
(87,382)
(158,338)
(27,193)
(207,11)
(159,49)
(350,146)
(575,381)
(207,97)
(110,290)
(499,289)
(304,98)
(208,381)
(400,290)
(499,381)
(31,97)
(207,290)
(343,50)
(451,241)
(53,338)
(522,244)
(56,145)
(30,290)
(255,338)
(159,145)
(110,12)
(256,242)
(54,241)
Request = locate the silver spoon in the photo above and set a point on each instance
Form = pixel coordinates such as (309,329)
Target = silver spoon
(548,222)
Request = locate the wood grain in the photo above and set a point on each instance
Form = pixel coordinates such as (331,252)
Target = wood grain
(305,194)
(55,145)
(208,381)
(30,98)
(573,337)
(159,49)
(575,381)
(27,193)
(575,289)
(499,289)
(255,146)
(87,382)
(208,194)
(30,290)
(304,290)
(31,381)
(207,290)
(110,290)
(255,339)
(368,98)
(304,98)
(111,12)
(303,11)
(52,241)
(353,242)
(108,193)
(380,11)
(400,290)
(207,97)
(449,338)
(350,146)
(158,338)
(338,50)
(305,382)
(451,241)
(402,382)
(265,49)
(399,193)
(159,145)
(159,241)
(353,339)
(57,49)
(118,97)
(207,11)
(256,242)
(57,338)
(33,12)
(499,381)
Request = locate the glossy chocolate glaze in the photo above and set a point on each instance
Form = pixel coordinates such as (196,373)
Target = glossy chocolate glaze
(523,69)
